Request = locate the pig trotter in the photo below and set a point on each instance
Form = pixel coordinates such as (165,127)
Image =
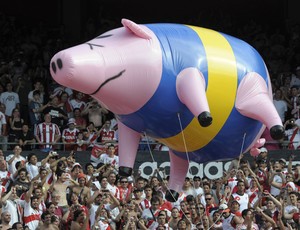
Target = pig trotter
(125,171)
(277,132)
(205,119)
(171,195)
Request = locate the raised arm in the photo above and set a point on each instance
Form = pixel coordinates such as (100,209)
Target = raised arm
(30,190)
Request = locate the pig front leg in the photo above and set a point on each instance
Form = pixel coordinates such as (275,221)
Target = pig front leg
(128,146)
(190,87)
(178,170)
(255,101)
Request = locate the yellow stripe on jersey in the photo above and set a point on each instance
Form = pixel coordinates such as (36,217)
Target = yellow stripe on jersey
(221,92)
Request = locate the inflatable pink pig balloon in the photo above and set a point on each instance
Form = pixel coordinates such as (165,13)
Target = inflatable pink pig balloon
(196,90)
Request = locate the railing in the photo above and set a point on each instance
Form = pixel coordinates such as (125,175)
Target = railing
(36,144)
(281,144)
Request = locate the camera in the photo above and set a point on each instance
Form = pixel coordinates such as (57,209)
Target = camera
(95,174)
(53,153)
(265,194)
(292,121)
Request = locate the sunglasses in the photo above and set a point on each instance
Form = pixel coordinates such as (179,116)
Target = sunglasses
(124,182)
(207,198)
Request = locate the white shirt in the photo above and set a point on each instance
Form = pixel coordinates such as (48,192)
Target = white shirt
(296,140)
(242,199)
(10,99)
(41,99)
(227,222)
(276,191)
(75,104)
(13,207)
(6,178)
(92,211)
(31,216)
(281,107)
(12,167)
(198,191)
(2,121)
(33,170)
(148,215)
(114,190)
(295,80)
(104,158)
(290,208)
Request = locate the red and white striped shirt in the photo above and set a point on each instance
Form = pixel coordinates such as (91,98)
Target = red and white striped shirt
(70,137)
(107,136)
(47,132)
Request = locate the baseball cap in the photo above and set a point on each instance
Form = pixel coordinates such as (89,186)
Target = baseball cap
(71,121)
(263,150)
(224,208)
(282,160)
(97,184)
(76,164)
(80,175)
(291,185)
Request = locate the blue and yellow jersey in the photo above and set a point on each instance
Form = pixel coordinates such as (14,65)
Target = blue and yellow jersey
(224,61)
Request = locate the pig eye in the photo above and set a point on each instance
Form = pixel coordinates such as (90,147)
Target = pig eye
(99,37)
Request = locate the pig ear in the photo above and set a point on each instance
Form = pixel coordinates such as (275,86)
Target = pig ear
(136,29)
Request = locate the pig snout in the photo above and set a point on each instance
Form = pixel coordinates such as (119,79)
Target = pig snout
(64,72)
(61,68)
(77,68)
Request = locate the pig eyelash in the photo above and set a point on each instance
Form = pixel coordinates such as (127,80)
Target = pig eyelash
(91,45)
(109,79)
(103,36)
(99,37)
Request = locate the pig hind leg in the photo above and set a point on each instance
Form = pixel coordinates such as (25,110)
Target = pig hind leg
(178,170)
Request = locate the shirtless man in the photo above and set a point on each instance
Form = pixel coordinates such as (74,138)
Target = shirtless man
(80,220)
(60,186)
(95,113)
(82,190)
(46,224)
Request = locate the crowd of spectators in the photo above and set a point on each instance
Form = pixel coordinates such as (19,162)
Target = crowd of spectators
(59,193)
